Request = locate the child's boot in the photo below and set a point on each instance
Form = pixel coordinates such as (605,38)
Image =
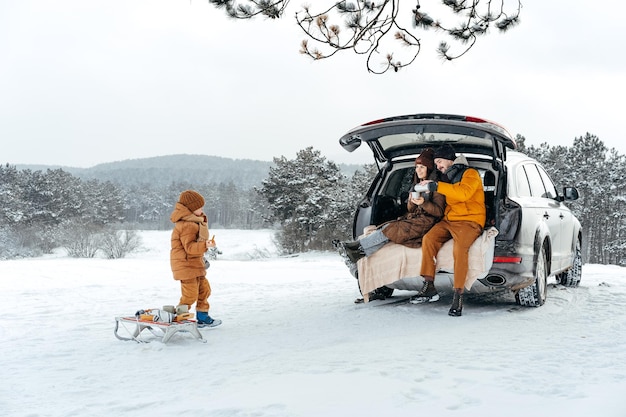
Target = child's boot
(204,320)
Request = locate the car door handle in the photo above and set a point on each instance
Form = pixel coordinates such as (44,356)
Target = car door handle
(546,215)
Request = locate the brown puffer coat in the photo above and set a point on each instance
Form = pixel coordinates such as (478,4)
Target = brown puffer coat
(409,229)
(188,243)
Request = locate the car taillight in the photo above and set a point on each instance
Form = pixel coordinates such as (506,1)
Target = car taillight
(374,122)
(476,120)
(493,125)
(507,259)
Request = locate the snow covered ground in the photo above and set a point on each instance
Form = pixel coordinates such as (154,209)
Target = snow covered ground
(293,343)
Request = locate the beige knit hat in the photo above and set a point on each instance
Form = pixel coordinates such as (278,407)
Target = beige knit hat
(191,199)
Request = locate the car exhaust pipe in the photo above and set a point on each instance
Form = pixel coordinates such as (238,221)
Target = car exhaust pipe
(495,280)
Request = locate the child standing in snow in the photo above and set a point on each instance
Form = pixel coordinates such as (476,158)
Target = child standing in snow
(190,240)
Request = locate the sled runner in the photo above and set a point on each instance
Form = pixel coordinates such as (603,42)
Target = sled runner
(134,325)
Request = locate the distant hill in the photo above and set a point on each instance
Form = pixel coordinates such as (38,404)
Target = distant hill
(161,171)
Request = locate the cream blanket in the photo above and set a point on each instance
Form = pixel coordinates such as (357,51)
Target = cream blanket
(394,262)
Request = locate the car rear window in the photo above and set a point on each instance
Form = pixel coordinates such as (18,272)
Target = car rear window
(406,136)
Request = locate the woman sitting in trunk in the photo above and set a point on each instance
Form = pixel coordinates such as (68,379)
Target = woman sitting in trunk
(423,211)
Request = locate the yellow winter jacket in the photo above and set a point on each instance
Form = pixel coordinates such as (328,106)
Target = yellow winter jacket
(188,243)
(465,200)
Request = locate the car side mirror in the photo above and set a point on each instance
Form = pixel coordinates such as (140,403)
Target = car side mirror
(570,193)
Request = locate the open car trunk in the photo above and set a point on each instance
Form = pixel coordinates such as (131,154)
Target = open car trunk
(397,266)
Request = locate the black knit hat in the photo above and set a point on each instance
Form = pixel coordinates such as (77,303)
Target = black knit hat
(191,199)
(445,152)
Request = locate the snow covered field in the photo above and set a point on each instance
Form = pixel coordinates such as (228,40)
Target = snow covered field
(293,343)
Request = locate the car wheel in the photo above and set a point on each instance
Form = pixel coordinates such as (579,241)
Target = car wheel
(571,277)
(535,295)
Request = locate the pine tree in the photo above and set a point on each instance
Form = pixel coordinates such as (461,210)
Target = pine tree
(377,29)
(300,193)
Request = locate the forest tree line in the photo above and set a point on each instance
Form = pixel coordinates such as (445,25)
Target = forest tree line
(44,210)
(308,200)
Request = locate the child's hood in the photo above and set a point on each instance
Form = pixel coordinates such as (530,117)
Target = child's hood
(180,211)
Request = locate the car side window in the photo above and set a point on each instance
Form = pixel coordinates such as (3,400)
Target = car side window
(521,183)
(547,183)
(534,179)
(399,181)
(407,180)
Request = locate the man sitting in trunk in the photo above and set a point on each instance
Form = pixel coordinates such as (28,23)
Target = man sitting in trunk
(463,222)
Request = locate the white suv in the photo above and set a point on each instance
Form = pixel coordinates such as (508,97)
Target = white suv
(538,235)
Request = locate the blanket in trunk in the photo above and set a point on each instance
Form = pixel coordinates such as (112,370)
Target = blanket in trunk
(394,262)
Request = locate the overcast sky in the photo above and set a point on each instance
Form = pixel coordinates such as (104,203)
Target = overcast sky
(88,82)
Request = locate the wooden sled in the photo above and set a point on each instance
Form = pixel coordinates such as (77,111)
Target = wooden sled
(164,331)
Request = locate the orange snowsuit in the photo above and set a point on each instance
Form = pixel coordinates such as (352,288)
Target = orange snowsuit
(187,257)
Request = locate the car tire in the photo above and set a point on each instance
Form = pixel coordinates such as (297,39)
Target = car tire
(572,277)
(535,294)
